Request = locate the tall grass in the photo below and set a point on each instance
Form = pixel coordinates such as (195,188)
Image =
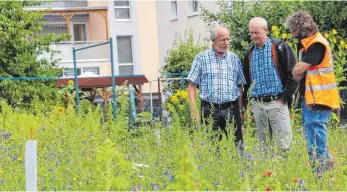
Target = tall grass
(86,152)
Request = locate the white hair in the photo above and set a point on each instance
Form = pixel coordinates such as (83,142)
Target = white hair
(259,20)
(214,32)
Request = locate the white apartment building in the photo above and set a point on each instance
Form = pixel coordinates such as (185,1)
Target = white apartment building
(142,32)
(176,16)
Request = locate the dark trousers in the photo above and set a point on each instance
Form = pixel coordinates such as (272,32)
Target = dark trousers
(220,115)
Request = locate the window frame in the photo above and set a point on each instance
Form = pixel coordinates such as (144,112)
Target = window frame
(122,7)
(79,69)
(171,16)
(190,13)
(72,32)
(58,23)
(132,53)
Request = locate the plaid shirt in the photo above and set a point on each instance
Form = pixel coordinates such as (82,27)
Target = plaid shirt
(218,78)
(267,81)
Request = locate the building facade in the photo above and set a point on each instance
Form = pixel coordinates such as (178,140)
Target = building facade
(142,32)
(176,17)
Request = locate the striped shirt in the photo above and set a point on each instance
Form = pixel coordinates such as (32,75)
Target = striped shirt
(264,73)
(218,78)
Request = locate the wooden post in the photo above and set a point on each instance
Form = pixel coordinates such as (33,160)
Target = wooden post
(105,100)
(159,92)
(67,17)
(103,14)
(141,98)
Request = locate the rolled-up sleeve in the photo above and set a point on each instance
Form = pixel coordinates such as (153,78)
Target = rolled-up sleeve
(195,71)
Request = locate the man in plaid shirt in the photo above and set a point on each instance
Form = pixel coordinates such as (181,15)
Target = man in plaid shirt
(268,66)
(219,75)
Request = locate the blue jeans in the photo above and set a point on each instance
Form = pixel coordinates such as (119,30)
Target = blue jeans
(315,123)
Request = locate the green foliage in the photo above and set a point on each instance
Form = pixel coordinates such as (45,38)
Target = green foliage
(20,46)
(237,16)
(80,152)
(179,104)
(328,15)
(188,178)
(110,168)
(67,94)
(180,58)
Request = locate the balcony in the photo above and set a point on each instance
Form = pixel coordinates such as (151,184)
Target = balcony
(65,48)
(63,4)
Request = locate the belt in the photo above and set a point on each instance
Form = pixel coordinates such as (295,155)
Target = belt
(218,105)
(266,98)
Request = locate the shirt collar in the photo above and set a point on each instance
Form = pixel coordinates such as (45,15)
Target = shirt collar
(214,53)
(266,44)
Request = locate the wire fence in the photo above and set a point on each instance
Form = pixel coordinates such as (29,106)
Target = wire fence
(154,102)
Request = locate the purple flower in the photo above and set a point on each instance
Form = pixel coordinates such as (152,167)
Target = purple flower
(7,135)
(166,172)
(154,186)
(136,188)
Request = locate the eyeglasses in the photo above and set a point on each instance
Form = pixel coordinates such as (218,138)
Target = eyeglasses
(224,40)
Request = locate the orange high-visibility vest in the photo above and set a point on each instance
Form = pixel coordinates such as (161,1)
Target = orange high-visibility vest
(320,83)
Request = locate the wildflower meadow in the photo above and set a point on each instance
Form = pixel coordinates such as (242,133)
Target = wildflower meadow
(85,151)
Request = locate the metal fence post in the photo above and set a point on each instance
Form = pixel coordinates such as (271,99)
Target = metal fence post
(76,80)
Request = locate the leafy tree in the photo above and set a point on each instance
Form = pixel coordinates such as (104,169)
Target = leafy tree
(180,58)
(237,14)
(330,17)
(20,47)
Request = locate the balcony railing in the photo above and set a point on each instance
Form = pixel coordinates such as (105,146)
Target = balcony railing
(66,55)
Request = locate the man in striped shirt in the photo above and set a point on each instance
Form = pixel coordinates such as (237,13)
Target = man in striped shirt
(219,75)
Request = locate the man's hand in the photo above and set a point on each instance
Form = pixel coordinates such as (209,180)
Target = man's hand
(299,70)
(194,115)
(298,77)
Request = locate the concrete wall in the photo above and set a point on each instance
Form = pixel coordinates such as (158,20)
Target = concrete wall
(167,28)
(126,28)
(148,36)
(96,27)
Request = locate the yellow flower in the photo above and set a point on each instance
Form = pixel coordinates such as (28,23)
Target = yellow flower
(60,110)
(70,82)
(284,35)
(19,158)
(334,31)
(274,28)
(326,35)
(276,33)
(342,42)
(346,46)
(184,94)
(174,99)
(334,40)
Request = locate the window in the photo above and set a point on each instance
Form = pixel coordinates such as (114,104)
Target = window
(122,10)
(79,32)
(69,72)
(125,55)
(193,7)
(126,70)
(173,5)
(56,28)
(94,70)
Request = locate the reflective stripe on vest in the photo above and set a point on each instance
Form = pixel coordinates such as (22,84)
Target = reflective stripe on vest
(321,87)
(321,71)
